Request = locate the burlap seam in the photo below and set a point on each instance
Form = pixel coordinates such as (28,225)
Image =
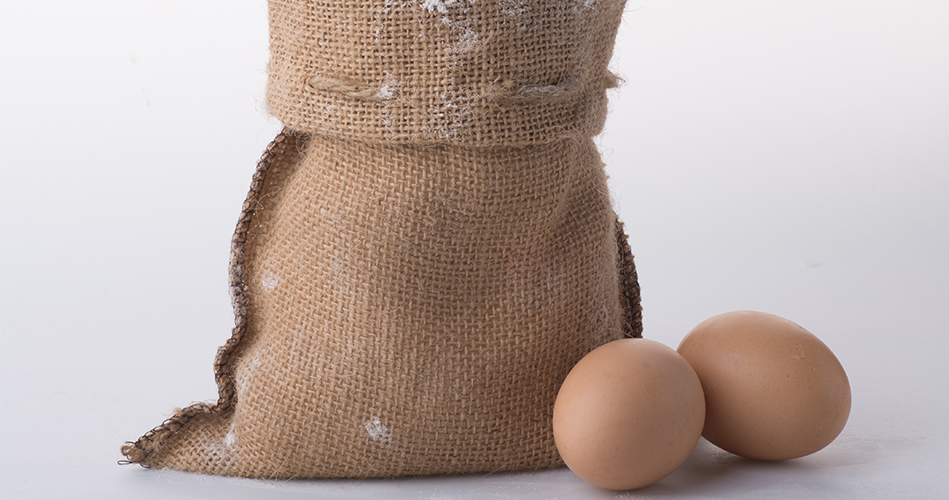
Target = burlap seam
(138,451)
(629,284)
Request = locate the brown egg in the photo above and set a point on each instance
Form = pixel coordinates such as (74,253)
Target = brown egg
(773,390)
(628,414)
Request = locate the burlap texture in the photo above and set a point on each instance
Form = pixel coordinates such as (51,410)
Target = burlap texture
(413,281)
(466,72)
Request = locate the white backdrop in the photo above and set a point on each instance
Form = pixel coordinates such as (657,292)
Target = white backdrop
(785,156)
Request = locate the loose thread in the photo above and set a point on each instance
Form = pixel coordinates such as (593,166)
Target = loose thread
(325,84)
(502,93)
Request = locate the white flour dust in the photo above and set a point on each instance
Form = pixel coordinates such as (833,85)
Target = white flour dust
(389,88)
(269,282)
(223,451)
(231,438)
(247,373)
(377,430)
(441,6)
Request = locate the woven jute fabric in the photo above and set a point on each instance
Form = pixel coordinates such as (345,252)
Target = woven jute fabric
(467,72)
(409,303)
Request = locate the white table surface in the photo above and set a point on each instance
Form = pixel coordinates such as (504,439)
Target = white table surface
(785,156)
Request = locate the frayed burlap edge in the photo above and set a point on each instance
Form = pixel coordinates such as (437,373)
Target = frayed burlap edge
(287,142)
(629,285)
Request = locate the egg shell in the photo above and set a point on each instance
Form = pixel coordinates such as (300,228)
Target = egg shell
(628,414)
(773,390)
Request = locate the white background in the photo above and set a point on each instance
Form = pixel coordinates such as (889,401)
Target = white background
(784,156)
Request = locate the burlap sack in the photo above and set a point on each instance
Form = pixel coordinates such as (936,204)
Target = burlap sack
(421,258)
